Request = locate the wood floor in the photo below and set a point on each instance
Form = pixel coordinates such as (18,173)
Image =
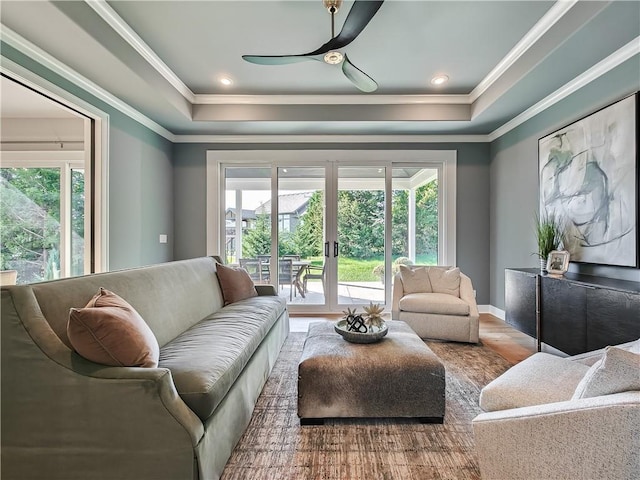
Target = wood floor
(508,342)
(511,344)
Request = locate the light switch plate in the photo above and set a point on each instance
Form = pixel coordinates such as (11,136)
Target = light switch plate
(163,238)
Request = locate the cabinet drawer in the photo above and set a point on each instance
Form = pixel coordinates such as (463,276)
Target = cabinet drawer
(563,315)
(612,317)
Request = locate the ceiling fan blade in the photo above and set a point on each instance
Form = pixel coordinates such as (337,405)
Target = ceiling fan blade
(360,79)
(358,17)
(361,13)
(277,59)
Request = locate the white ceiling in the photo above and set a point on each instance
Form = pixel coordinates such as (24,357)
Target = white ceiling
(17,101)
(164,58)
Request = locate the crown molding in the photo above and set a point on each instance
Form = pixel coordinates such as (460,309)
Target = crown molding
(32,51)
(122,28)
(609,63)
(203,99)
(548,20)
(233,139)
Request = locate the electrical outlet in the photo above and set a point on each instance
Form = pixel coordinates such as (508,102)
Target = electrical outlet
(163,238)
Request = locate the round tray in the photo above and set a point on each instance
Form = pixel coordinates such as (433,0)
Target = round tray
(357,337)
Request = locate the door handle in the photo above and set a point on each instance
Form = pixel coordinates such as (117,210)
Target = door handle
(335,249)
(326,249)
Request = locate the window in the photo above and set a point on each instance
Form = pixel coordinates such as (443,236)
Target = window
(42,219)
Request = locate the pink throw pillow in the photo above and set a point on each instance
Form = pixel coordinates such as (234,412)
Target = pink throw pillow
(110,331)
(235,283)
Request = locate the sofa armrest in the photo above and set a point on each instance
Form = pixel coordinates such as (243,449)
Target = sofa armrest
(467,294)
(162,382)
(266,289)
(579,439)
(398,293)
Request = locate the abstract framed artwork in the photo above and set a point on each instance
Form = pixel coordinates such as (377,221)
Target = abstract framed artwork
(589,181)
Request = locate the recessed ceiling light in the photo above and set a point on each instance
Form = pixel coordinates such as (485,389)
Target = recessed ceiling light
(226,81)
(439,79)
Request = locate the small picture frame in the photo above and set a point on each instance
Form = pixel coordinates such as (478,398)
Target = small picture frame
(558,262)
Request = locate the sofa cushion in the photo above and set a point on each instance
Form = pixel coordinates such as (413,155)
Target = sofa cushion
(206,360)
(445,281)
(541,378)
(435,303)
(618,371)
(235,283)
(109,331)
(415,280)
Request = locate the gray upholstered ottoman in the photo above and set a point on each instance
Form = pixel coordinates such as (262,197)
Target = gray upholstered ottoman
(396,377)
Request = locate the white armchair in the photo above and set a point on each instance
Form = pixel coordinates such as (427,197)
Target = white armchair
(537,427)
(436,302)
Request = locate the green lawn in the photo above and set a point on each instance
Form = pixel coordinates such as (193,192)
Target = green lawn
(361,270)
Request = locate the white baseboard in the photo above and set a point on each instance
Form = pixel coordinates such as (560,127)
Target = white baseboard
(496,312)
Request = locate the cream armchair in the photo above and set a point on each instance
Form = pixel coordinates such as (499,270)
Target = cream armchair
(539,424)
(436,302)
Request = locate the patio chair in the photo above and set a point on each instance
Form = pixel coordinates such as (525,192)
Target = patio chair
(314,272)
(253,266)
(266,267)
(286,275)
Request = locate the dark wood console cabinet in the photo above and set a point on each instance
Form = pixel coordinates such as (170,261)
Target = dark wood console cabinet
(520,300)
(577,313)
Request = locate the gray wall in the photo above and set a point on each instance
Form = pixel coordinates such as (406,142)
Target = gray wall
(140,196)
(140,180)
(514,178)
(472,219)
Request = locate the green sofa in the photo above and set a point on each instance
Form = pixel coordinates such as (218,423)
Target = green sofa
(64,417)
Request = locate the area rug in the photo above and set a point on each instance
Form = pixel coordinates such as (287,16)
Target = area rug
(275,446)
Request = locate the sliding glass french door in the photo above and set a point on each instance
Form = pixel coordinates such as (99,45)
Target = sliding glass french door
(331,234)
(302,234)
(361,231)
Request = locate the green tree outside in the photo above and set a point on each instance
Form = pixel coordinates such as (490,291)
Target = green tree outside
(257,240)
(308,237)
(30,221)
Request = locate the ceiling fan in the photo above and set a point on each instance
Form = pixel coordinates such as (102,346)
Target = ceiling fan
(359,16)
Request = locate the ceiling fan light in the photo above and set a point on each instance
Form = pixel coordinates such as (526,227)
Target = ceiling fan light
(439,79)
(333,57)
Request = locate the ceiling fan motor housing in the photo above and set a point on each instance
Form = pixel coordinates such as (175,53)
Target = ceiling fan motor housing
(333,58)
(332,6)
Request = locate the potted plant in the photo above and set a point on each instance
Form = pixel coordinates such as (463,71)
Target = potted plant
(395,267)
(548,236)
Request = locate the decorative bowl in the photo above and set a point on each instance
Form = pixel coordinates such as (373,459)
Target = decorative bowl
(375,334)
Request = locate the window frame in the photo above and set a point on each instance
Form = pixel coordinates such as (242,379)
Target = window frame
(95,156)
